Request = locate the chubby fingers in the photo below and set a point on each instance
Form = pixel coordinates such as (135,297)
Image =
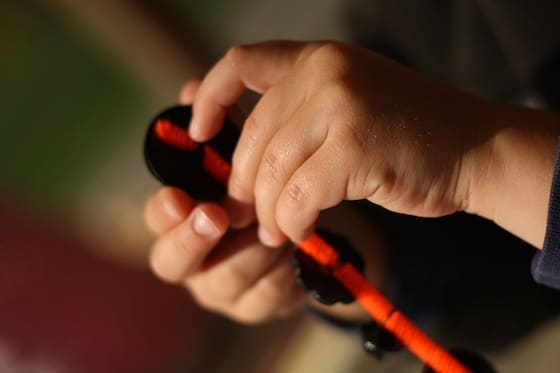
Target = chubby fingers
(166,208)
(252,284)
(256,67)
(325,179)
(181,250)
(275,295)
(283,155)
(270,113)
(321,174)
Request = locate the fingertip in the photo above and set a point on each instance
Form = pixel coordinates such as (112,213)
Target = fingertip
(166,208)
(202,131)
(206,121)
(296,225)
(300,234)
(195,131)
(305,233)
(271,237)
(176,203)
(300,202)
(188,91)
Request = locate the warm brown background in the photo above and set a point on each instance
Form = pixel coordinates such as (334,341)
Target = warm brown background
(80,80)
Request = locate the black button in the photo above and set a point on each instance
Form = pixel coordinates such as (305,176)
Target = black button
(377,341)
(183,169)
(318,280)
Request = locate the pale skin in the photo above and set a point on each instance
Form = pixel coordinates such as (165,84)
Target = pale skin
(336,122)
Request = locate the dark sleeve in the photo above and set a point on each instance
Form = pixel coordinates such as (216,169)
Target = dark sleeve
(464,278)
(546,263)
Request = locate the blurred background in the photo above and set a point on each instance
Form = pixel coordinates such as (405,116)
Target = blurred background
(81,80)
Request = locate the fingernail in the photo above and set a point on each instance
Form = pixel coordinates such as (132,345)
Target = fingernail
(204,226)
(194,130)
(266,237)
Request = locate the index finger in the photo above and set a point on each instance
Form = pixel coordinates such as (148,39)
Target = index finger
(256,67)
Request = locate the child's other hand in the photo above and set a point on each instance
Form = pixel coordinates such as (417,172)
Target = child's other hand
(232,274)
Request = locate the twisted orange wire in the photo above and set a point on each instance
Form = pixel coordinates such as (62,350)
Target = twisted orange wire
(377,305)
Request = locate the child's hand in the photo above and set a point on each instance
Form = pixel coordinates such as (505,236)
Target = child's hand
(339,122)
(233,273)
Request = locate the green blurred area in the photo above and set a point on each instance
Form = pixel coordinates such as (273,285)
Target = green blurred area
(63,104)
(206,16)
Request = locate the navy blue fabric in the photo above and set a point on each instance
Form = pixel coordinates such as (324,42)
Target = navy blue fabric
(546,263)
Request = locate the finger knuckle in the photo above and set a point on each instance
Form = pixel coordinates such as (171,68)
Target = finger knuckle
(251,130)
(244,162)
(236,53)
(273,286)
(329,53)
(205,300)
(160,268)
(328,50)
(270,167)
(203,294)
(248,318)
(249,142)
(269,294)
(231,278)
(290,206)
(339,97)
(239,188)
(295,194)
(352,141)
(179,240)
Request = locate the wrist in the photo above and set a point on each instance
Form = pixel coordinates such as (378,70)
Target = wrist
(483,170)
(511,172)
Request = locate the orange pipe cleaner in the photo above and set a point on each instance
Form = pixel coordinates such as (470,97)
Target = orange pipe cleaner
(377,305)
